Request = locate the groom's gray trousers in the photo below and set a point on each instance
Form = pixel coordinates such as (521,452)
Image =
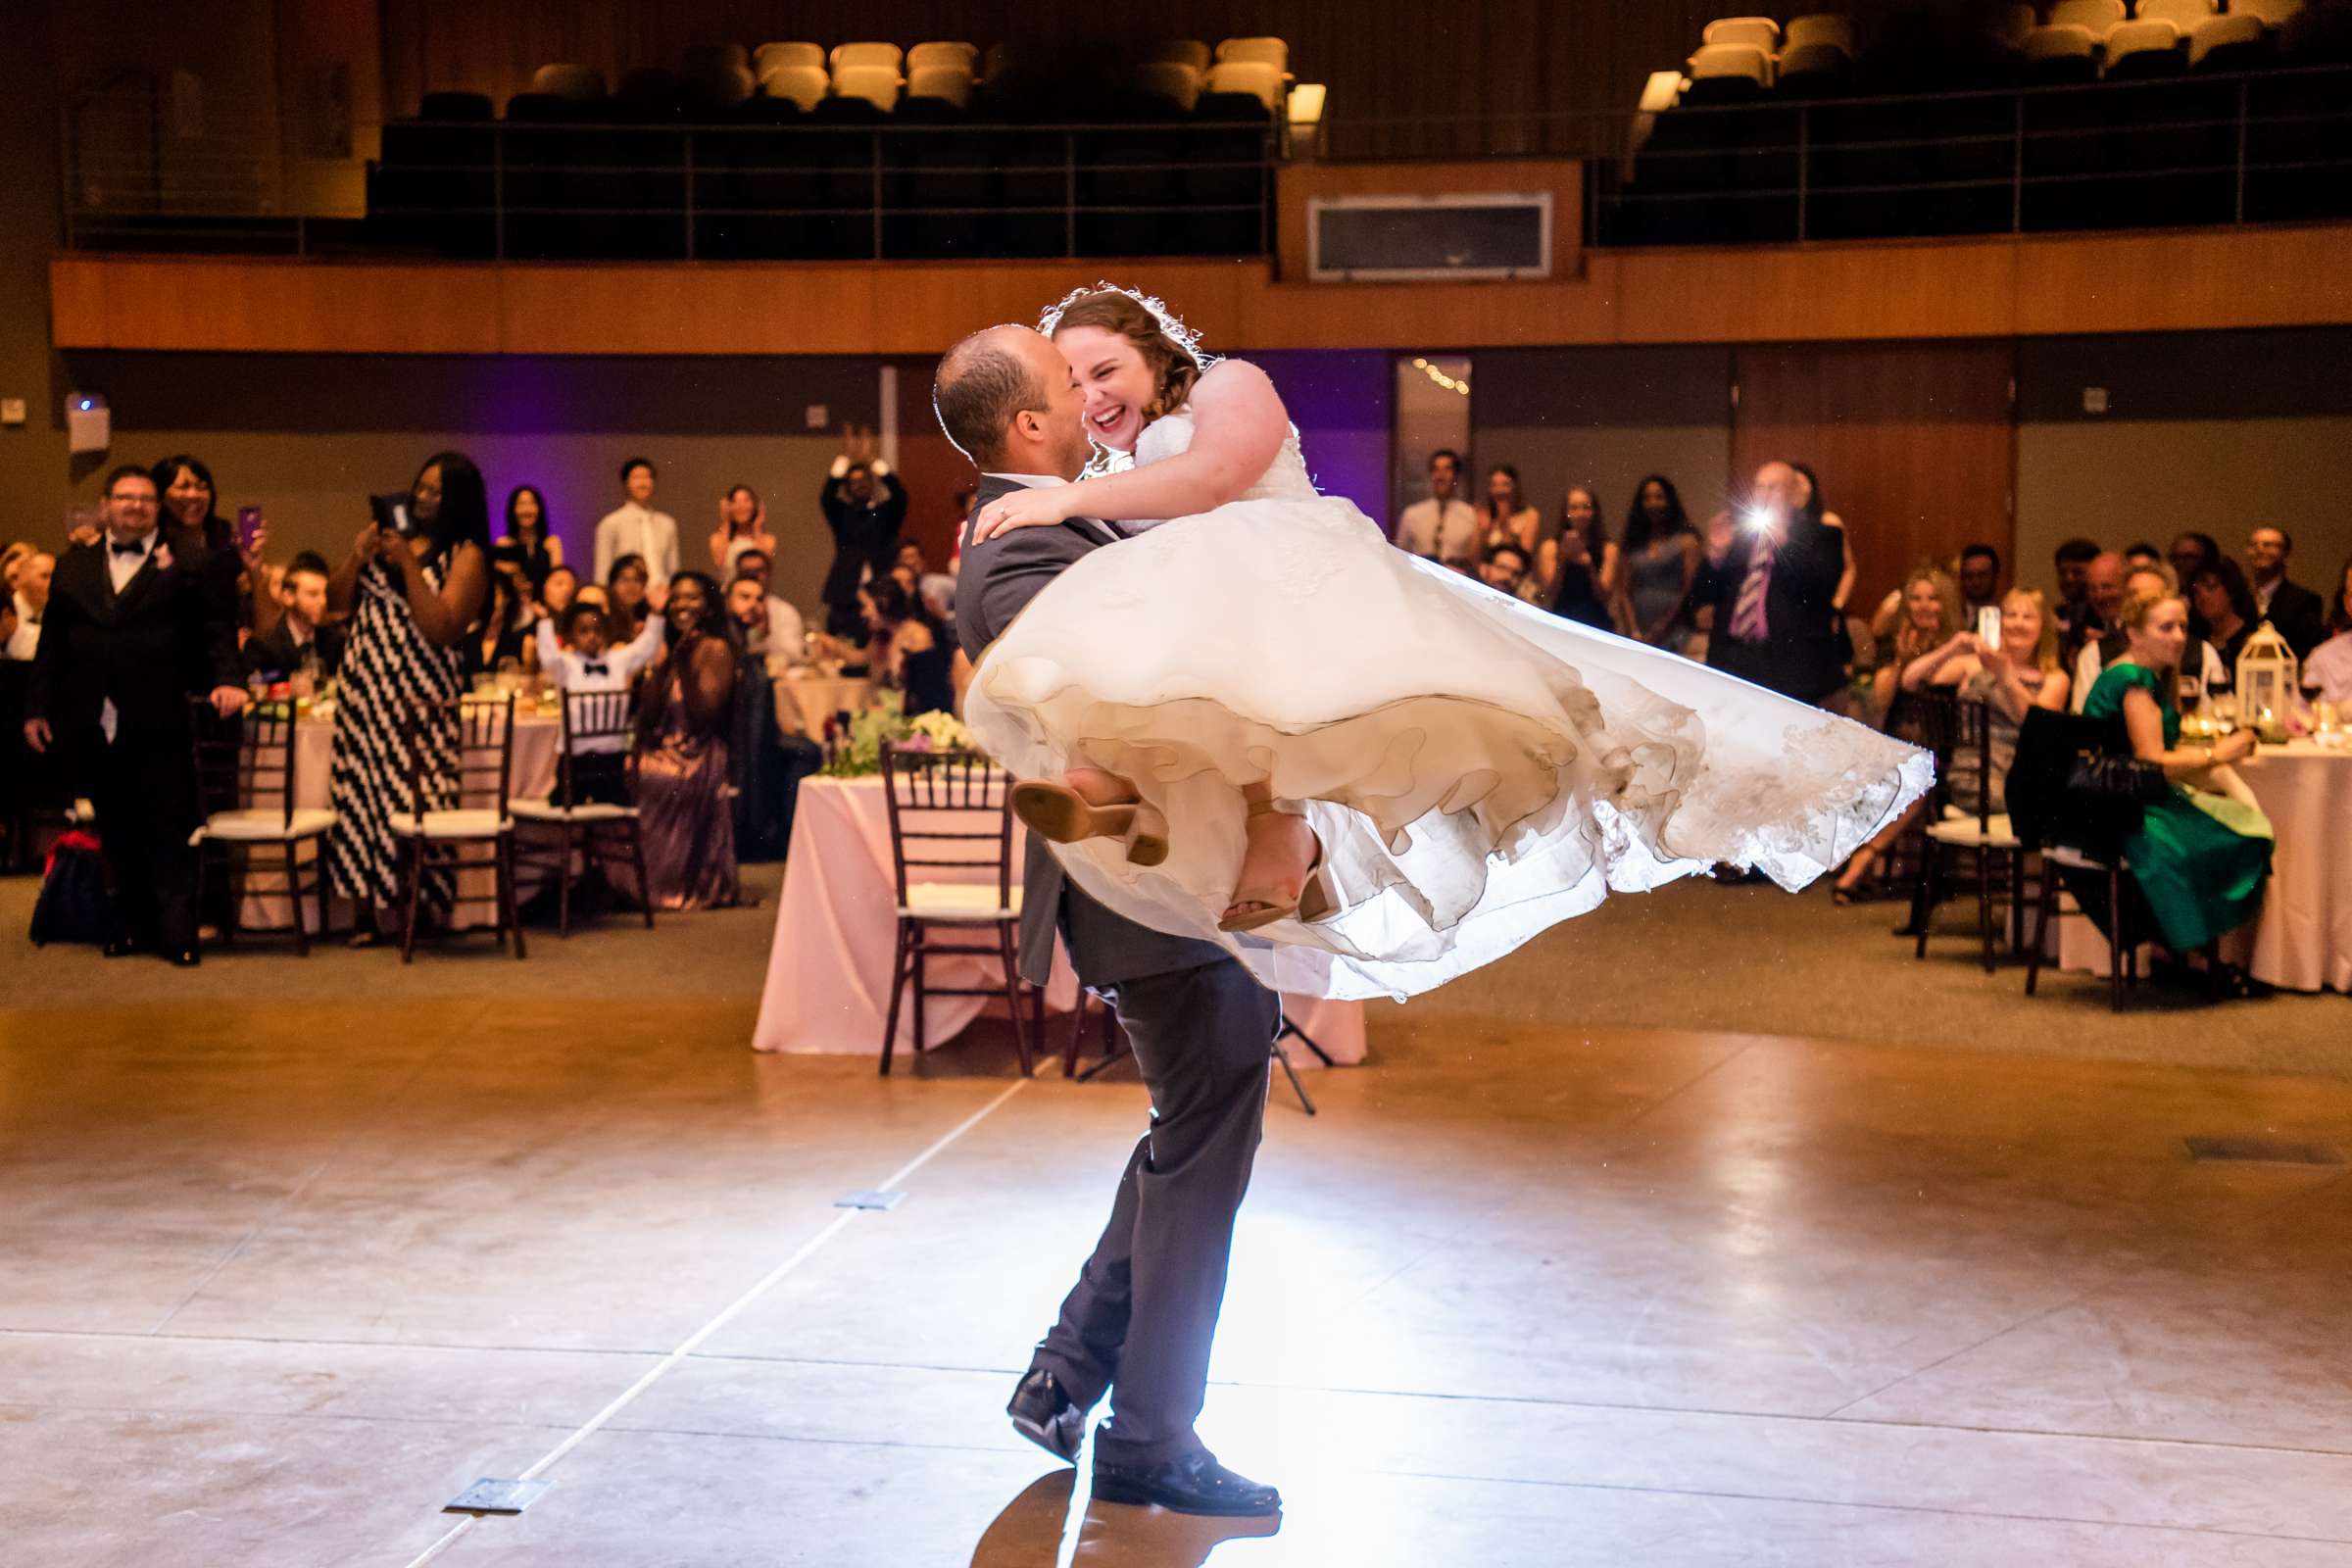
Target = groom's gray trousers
(1139,1321)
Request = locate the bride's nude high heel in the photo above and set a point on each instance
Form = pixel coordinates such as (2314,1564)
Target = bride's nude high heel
(1312,903)
(1055,812)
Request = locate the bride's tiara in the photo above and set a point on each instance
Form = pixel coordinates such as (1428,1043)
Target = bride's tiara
(1171,325)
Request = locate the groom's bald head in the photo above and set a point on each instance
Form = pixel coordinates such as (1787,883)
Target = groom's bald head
(999,395)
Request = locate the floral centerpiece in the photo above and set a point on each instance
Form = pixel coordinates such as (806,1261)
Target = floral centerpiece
(857,754)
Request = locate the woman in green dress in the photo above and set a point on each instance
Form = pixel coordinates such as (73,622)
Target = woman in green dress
(2200,855)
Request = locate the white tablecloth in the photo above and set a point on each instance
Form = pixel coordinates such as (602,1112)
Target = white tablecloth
(829,967)
(803,703)
(2302,940)
(535,778)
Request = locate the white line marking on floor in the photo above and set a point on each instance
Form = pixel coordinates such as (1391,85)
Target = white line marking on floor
(801,1254)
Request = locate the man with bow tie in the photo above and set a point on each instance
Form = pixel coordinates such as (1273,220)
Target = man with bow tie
(136,624)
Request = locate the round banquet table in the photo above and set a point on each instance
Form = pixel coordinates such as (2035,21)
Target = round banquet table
(2302,939)
(805,702)
(829,970)
(535,778)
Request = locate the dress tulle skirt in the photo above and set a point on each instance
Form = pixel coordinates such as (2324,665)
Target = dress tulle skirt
(1478,769)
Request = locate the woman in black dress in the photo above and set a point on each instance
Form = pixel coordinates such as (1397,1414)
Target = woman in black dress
(1587,561)
(527,531)
(923,651)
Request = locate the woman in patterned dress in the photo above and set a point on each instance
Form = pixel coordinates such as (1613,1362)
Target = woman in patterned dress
(410,599)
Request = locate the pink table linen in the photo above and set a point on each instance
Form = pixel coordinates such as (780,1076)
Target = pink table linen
(2302,940)
(829,970)
(534,777)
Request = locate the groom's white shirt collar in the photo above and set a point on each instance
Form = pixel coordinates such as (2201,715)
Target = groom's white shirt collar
(1041,482)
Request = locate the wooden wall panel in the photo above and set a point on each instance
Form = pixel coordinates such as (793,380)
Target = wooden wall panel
(1826,293)
(1913,443)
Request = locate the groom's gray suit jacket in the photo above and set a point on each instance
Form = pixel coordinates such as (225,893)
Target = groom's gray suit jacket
(995,583)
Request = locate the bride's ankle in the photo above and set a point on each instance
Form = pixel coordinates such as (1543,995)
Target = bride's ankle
(1100,787)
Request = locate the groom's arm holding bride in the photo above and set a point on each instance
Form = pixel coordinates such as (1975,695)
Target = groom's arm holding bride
(1239,426)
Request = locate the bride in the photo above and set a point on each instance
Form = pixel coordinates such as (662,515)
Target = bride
(1260,724)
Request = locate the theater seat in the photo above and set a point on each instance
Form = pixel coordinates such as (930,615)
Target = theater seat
(933,56)
(574,84)
(1263,51)
(1727,73)
(1175,83)
(2270,12)
(715,92)
(1827,27)
(769,56)
(2183,14)
(700,59)
(804,85)
(2139,50)
(877,56)
(1757,32)
(2060,55)
(1183,52)
(2013,24)
(1814,70)
(877,85)
(1252,79)
(2228,43)
(2093,16)
(948,85)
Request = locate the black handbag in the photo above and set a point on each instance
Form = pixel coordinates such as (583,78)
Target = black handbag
(2106,776)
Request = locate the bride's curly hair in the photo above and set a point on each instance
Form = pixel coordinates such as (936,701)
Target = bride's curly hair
(1171,350)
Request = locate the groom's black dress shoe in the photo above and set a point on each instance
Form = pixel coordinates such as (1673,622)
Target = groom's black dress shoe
(124,948)
(1044,1412)
(1190,1483)
(185,959)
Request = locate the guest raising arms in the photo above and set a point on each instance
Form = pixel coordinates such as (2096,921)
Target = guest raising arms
(684,719)
(410,600)
(2019,672)
(742,526)
(865,507)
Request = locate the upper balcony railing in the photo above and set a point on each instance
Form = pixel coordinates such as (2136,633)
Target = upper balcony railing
(2248,147)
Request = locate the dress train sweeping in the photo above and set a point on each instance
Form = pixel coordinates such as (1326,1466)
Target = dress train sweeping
(1476,768)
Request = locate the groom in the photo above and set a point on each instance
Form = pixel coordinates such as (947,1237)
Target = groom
(1139,1322)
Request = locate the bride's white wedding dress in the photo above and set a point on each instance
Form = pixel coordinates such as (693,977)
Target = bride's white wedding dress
(1477,769)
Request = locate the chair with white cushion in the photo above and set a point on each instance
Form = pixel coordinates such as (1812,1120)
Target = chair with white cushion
(458,767)
(2232,42)
(1755,32)
(1981,833)
(1727,73)
(254,821)
(2094,17)
(1252,79)
(2183,14)
(950,849)
(567,822)
(948,85)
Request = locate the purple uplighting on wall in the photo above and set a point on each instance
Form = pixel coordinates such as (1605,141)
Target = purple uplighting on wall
(1339,401)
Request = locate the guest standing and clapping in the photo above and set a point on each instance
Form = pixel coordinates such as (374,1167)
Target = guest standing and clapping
(683,722)
(410,600)
(865,506)
(742,527)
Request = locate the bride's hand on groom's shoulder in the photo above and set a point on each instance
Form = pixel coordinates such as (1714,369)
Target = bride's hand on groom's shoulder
(1041,507)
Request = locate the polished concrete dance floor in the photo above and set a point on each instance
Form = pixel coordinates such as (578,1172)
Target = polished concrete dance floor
(281,1280)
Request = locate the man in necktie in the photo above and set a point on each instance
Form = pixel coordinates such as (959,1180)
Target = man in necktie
(1770,576)
(138,624)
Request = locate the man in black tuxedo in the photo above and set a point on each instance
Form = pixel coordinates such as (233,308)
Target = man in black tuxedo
(301,633)
(2293,610)
(1139,1322)
(137,623)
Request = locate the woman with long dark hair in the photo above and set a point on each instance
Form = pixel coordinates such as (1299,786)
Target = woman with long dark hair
(684,716)
(184,486)
(2221,610)
(1504,518)
(742,527)
(1661,552)
(1587,561)
(410,600)
(922,650)
(530,534)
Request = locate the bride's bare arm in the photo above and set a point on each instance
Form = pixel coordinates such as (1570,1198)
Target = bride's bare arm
(1239,426)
